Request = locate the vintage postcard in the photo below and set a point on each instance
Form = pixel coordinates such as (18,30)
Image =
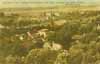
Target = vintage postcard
(49,31)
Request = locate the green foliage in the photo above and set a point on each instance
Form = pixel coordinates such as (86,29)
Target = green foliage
(41,56)
(22,38)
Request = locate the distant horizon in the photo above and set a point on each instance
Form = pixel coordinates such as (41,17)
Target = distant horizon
(44,3)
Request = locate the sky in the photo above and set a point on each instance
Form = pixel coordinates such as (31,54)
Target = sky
(34,3)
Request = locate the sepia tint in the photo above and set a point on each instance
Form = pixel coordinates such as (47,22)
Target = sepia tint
(49,32)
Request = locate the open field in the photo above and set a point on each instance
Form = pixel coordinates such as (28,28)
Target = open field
(49,9)
(52,35)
